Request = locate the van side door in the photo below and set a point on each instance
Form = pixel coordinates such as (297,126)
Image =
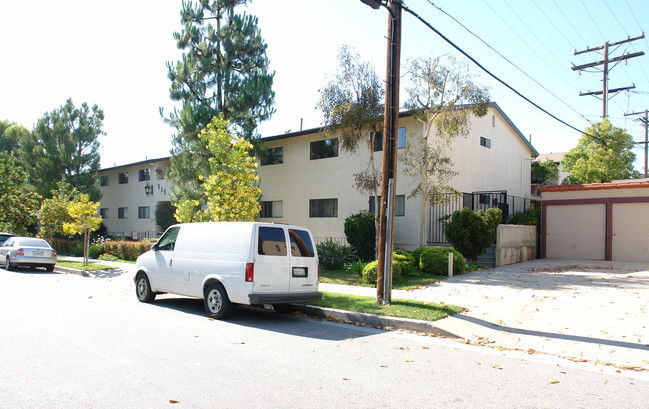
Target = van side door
(271,260)
(303,262)
(161,274)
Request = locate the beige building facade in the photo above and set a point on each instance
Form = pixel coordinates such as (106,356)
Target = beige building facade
(307,180)
(130,195)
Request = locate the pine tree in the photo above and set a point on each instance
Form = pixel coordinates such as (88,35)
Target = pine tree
(223,71)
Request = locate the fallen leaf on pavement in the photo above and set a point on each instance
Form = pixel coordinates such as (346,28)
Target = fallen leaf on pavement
(496,366)
(384,366)
(173,401)
(408,360)
(553,381)
(348,339)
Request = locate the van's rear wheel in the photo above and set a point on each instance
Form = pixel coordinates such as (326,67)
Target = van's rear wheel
(143,289)
(217,303)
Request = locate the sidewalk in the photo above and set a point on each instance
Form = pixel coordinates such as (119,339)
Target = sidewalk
(594,311)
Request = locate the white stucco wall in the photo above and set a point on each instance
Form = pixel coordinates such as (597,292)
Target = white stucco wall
(505,166)
(132,195)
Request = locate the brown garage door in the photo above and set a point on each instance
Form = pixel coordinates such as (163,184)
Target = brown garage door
(576,231)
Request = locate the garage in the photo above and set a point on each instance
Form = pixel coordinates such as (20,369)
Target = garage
(599,221)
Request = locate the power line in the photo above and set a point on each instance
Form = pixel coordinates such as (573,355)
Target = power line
(554,25)
(506,59)
(427,24)
(593,20)
(616,19)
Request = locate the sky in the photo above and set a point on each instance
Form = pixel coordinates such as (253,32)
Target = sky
(114,54)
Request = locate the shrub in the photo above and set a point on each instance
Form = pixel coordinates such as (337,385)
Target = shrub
(417,253)
(405,259)
(96,250)
(76,248)
(108,257)
(531,217)
(471,233)
(127,250)
(360,231)
(356,267)
(435,261)
(371,269)
(334,256)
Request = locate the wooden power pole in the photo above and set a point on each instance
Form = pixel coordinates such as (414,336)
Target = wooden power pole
(646,137)
(605,69)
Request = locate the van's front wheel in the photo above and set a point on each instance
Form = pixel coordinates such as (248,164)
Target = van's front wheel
(143,289)
(217,303)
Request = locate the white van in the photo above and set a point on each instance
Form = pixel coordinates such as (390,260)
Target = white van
(229,263)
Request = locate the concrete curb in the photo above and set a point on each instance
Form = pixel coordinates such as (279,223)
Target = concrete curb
(372,320)
(83,273)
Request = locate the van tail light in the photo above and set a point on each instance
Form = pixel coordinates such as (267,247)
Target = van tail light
(250,272)
(20,252)
(53,253)
(318,272)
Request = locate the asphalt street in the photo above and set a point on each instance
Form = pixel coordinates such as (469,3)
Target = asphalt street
(85,342)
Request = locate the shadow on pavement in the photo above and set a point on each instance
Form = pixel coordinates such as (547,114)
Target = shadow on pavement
(269,320)
(28,270)
(553,335)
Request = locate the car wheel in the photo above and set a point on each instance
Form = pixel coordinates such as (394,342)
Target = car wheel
(284,308)
(217,303)
(49,268)
(9,265)
(143,289)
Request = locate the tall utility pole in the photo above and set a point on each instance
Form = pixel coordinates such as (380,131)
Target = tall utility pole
(646,137)
(389,167)
(605,70)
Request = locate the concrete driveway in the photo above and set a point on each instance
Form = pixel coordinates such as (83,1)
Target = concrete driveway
(586,311)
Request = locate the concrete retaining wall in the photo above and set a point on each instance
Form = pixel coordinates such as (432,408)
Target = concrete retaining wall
(515,243)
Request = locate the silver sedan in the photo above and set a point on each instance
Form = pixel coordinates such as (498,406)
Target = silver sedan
(27,251)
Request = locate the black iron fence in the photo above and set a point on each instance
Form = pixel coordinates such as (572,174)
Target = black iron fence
(438,214)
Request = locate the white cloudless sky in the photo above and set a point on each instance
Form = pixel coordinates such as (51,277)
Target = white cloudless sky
(114,54)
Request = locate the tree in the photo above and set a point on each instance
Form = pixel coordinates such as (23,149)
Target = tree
(84,220)
(18,205)
(223,71)
(230,188)
(471,233)
(64,146)
(546,173)
(11,136)
(352,105)
(164,215)
(603,154)
(54,211)
(443,99)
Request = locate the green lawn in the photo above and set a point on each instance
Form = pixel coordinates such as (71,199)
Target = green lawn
(79,265)
(419,310)
(414,279)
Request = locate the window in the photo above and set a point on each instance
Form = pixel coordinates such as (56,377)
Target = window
(271,241)
(327,148)
(168,240)
(301,244)
(401,139)
(143,212)
(122,213)
(323,208)
(493,121)
(399,205)
(378,141)
(103,212)
(123,178)
(274,156)
(103,180)
(271,209)
(145,174)
(485,142)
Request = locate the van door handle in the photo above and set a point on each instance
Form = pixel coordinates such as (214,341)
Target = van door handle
(171,262)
